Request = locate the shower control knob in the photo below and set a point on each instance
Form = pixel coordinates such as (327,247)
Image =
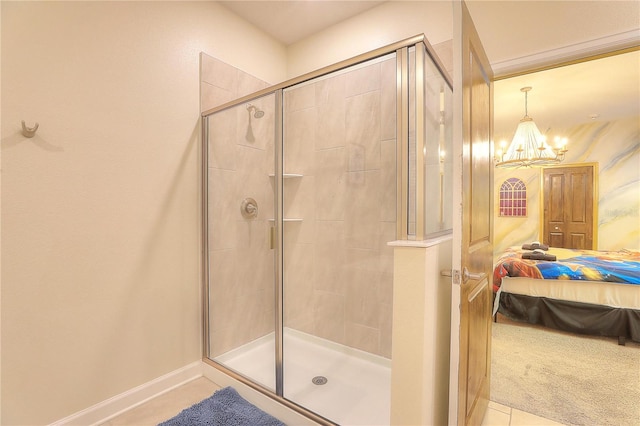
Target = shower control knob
(249,208)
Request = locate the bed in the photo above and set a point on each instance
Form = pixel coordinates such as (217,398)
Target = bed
(581,291)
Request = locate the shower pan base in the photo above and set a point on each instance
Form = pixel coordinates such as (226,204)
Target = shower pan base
(357,391)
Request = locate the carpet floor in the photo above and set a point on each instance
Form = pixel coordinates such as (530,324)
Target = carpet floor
(572,379)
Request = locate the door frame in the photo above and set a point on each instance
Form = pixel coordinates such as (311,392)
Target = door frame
(475,283)
(595,198)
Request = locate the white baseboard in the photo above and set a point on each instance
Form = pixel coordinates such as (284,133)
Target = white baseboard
(118,404)
(112,407)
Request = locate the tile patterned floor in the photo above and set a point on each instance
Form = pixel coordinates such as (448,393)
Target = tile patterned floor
(171,403)
(501,415)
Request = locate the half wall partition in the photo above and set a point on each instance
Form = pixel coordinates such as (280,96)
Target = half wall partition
(304,184)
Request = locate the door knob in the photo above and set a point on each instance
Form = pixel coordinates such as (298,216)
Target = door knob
(472,276)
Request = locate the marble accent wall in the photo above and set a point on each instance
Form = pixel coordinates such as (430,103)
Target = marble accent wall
(615,147)
(340,135)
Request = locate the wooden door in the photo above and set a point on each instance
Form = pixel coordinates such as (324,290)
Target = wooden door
(568,202)
(473,228)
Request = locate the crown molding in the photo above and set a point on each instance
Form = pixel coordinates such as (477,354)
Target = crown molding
(564,55)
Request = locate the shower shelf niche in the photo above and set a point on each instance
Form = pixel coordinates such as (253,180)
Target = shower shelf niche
(288,176)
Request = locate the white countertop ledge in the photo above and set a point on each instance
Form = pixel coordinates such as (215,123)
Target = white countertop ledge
(423,243)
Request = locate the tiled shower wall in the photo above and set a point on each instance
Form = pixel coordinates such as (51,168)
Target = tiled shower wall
(340,136)
(240,259)
(339,133)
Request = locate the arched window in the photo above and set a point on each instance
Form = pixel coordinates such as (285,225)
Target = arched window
(513,198)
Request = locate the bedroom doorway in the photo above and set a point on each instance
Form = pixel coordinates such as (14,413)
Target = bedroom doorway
(570,203)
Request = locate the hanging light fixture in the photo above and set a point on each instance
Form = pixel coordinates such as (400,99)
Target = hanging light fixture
(529,147)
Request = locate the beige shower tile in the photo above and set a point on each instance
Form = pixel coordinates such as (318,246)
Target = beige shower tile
(254,257)
(331,105)
(212,96)
(218,73)
(363,338)
(300,97)
(362,124)
(248,84)
(222,274)
(223,288)
(362,80)
(388,178)
(299,202)
(223,209)
(331,127)
(298,286)
(363,209)
(259,314)
(362,280)
(227,338)
(330,89)
(298,265)
(246,316)
(388,99)
(253,180)
(299,141)
(222,140)
(329,316)
(329,253)
(290,190)
(331,184)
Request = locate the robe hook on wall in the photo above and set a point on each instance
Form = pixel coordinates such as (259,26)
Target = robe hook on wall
(29,132)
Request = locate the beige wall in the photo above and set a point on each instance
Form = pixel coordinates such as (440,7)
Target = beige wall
(615,147)
(100,210)
(383,25)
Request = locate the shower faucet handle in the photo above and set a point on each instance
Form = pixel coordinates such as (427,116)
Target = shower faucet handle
(249,208)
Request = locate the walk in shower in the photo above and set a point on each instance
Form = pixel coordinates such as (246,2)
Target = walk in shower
(304,185)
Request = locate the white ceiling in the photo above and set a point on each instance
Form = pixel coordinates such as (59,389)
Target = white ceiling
(292,21)
(517,35)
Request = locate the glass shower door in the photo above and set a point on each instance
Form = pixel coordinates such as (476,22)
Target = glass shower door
(240,222)
(339,196)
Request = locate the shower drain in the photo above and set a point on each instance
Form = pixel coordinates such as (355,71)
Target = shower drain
(319,380)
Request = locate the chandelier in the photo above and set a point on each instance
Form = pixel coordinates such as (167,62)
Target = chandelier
(529,147)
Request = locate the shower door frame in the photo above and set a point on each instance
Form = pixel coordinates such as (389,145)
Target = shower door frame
(401,49)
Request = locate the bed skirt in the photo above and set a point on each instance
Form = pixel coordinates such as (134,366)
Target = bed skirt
(575,317)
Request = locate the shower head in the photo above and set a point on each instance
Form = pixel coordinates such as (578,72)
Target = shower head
(257,113)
